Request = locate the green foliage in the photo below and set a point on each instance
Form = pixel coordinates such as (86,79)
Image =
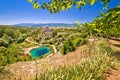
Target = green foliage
(11,55)
(1,31)
(10,50)
(79,25)
(105,26)
(20,39)
(80,41)
(3,42)
(7,38)
(68,46)
(65,49)
(13,34)
(92,2)
(72,43)
(29,0)
(108,23)
(2,49)
(55,6)
(54,33)
(26,44)
(10,32)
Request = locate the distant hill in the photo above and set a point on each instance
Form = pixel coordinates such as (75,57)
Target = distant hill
(46,24)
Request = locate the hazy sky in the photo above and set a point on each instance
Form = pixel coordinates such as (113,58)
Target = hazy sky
(20,11)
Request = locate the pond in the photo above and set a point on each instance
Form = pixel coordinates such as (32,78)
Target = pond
(37,52)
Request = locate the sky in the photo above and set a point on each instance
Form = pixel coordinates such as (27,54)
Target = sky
(20,11)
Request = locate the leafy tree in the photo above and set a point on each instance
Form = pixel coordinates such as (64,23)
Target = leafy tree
(17,34)
(109,23)
(79,24)
(54,6)
(71,45)
(7,38)
(9,32)
(65,49)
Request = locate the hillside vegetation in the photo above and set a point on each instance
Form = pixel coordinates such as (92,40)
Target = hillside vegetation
(101,39)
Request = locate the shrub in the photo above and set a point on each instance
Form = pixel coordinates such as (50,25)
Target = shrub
(2,49)
(20,39)
(70,44)
(3,42)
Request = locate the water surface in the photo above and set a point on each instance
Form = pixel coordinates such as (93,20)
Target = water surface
(37,52)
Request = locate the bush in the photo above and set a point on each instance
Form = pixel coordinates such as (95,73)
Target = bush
(70,44)
(20,39)
(3,42)
(2,49)
(7,38)
(65,49)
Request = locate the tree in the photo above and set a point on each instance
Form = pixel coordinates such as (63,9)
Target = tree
(54,6)
(109,23)
(9,32)
(65,49)
(79,25)
(7,38)
(17,34)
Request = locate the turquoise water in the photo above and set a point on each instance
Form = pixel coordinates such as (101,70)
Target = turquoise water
(37,52)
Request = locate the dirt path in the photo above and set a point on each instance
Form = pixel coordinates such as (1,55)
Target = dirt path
(114,74)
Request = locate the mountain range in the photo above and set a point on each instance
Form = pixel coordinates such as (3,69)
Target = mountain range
(46,24)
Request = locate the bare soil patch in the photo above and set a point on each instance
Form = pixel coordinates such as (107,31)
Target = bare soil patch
(113,74)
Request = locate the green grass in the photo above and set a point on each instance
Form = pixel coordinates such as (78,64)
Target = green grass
(26,44)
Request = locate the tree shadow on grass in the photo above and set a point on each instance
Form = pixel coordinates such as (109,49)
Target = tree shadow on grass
(117,45)
(117,55)
(116,39)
